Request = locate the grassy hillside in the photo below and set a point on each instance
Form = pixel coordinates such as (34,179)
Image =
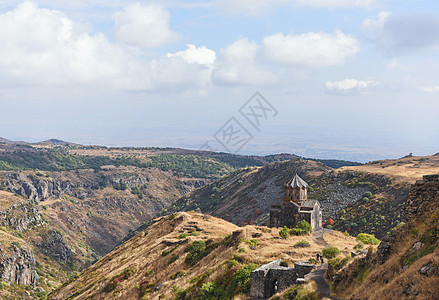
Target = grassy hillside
(358,201)
(245,196)
(407,169)
(186,255)
(26,249)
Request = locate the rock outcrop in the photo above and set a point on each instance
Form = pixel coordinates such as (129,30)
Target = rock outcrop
(21,216)
(406,262)
(55,247)
(18,265)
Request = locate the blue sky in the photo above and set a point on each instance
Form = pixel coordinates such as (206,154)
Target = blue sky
(349,79)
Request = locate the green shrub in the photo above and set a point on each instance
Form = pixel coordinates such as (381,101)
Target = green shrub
(367,239)
(304,225)
(302,228)
(183,236)
(252,242)
(330,252)
(45,207)
(240,281)
(3,228)
(211,290)
(284,232)
(232,263)
(298,231)
(194,232)
(196,252)
(301,244)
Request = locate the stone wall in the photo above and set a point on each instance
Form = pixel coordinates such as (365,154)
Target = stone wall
(302,268)
(272,278)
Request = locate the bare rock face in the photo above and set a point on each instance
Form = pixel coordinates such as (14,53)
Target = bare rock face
(54,246)
(18,266)
(21,216)
(385,248)
(422,196)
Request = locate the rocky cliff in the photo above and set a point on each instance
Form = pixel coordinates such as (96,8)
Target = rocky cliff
(406,264)
(17,261)
(246,195)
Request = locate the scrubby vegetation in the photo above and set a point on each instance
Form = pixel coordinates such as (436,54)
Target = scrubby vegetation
(302,228)
(302,244)
(284,232)
(330,252)
(60,159)
(367,239)
(298,292)
(118,278)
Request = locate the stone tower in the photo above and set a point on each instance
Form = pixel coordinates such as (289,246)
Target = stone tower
(296,190)
(296,207)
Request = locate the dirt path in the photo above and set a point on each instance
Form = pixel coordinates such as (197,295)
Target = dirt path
(322,285)
(317,275)
(318,238)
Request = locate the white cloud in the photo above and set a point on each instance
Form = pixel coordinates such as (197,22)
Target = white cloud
(403,32)
(61,54)
(349,86)
(192,54)
(190,69)
(144,25)
(256,6)
(314,49)
(430,89)
(42,46)
(238,64)
(335,3)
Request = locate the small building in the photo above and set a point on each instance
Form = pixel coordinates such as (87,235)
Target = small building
(296,207)
(274,278)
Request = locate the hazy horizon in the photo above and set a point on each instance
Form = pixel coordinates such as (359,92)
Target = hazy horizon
(351,80)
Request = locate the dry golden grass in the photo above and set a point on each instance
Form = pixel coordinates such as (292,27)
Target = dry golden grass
(407,169)
(144,253)
(8,199)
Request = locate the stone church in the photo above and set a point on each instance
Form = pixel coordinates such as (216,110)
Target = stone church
(296,207)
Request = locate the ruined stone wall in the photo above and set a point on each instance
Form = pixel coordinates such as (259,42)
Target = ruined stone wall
(272,278)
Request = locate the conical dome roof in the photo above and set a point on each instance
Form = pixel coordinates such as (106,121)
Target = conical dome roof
(296,182)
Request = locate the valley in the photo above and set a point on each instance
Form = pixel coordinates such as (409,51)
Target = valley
(65,207)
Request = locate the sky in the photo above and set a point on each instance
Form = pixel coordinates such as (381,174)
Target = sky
(343,79)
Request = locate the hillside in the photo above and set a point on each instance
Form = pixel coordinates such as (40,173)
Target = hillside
(355,198)
(91,198)
(407,169)
(34,257)
(406,264)
(162,262)
(357,201)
